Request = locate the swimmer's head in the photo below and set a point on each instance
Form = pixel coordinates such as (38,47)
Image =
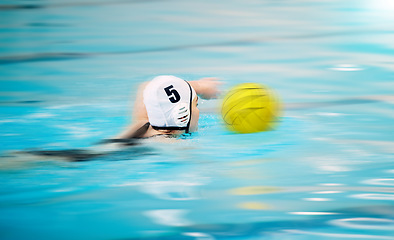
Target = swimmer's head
(171,104)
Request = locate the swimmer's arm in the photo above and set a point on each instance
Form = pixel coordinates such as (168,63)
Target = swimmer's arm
(206,88)
(132,130)
(140,116)
(139,110)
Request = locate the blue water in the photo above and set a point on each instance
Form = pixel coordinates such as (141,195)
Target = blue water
(68,74)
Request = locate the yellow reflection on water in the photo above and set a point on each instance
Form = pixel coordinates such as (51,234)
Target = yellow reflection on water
(254,206)
(254,190)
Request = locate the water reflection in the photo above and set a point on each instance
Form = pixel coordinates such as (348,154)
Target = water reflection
(199,235)
(327,192)
(380,181)
(318,199)
(337,235)
(254,190)
(374,196)
(314,213)
(254,206)
(365,223)
(173,190)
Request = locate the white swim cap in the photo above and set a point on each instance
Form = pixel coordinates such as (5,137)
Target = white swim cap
(168,101)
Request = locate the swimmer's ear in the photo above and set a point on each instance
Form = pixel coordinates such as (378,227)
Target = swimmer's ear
(181,114)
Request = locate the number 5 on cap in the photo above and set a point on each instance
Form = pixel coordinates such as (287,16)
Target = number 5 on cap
(173,95)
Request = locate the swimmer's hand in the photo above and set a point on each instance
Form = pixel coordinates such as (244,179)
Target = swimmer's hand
(207,88)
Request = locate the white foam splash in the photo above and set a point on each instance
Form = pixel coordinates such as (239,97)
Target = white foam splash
(313,213)
(346,68)
(199,235)
(333,168)
(329,114)
(318,199)
(78,131)
(327,192)
(169,217)
(40,115)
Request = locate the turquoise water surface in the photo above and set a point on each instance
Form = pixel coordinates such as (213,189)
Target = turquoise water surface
(68,75)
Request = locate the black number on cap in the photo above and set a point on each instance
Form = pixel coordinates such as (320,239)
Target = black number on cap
(173,94)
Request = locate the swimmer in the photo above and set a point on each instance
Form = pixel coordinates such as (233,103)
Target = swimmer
(167,106)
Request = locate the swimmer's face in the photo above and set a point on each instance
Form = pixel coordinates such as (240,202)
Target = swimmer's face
(195,116)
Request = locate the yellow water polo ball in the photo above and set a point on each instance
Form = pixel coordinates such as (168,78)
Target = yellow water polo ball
(250,108)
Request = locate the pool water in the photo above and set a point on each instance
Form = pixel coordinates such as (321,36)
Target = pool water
(69,71)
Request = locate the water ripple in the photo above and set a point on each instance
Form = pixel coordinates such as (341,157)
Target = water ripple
(68,4)
(338,235)
(365,223)
(380,181)
(374,196)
